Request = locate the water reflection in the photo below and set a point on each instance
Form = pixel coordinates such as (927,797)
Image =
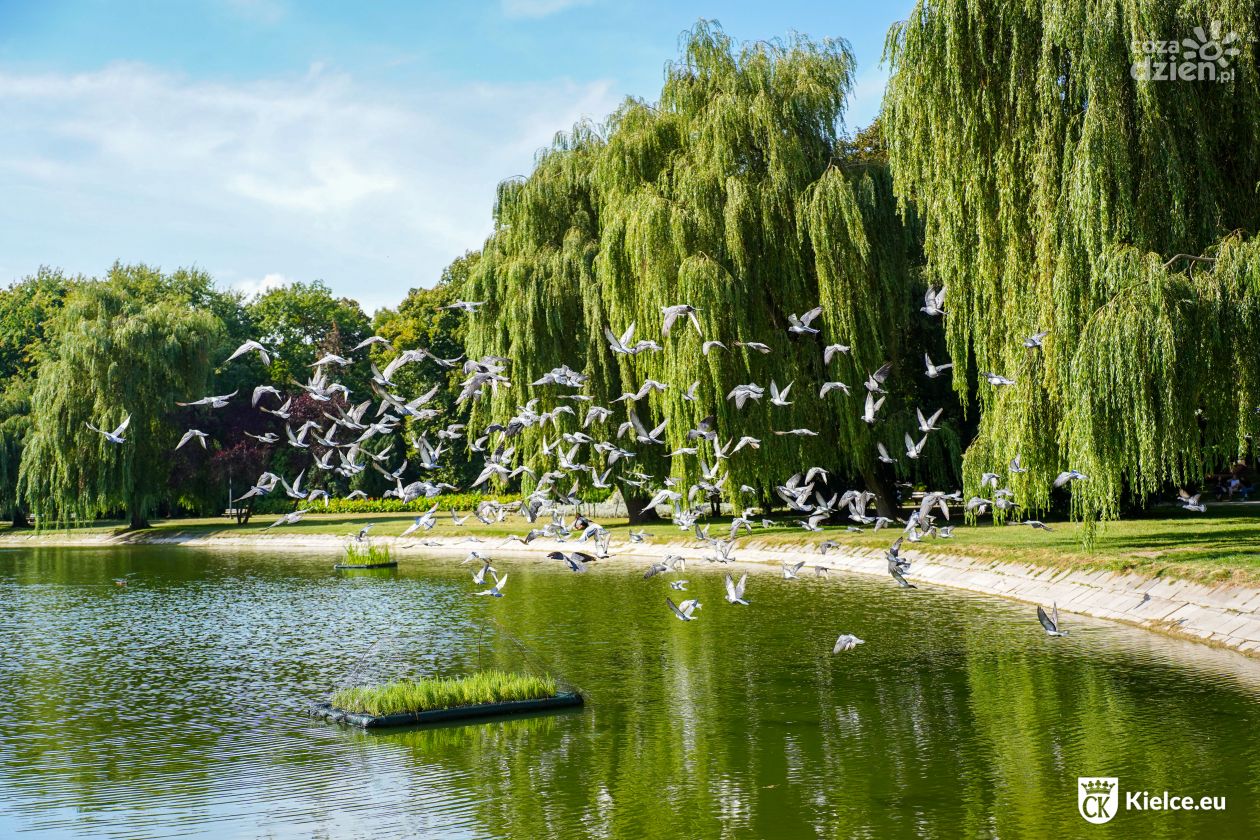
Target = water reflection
(174,706)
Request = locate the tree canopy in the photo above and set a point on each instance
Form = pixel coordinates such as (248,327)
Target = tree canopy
(1056,187)
(128,346)
(735,194)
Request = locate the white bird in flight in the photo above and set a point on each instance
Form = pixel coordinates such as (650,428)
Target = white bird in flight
(735,591)
(116,435)
(847,641)
(190,434)
(251,346)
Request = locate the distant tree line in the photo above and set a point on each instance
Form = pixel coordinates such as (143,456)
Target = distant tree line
(1017,163)
(75,350)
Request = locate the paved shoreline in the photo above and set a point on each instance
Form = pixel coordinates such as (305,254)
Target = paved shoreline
(1225,615)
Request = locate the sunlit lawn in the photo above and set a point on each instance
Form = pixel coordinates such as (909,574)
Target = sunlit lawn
(1222,544)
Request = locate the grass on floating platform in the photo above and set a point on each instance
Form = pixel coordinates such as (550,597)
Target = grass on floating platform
(430,693)
(363,554)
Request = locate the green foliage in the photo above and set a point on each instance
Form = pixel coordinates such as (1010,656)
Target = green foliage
(419,321)
(26,309)
(130,345)
(447,501)
(735,194)
(1053,186)
(430,693)
(302,322)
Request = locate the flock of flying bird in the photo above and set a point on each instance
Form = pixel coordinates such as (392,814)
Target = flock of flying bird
(349,426)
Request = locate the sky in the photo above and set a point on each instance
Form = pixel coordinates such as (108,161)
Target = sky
(272,141)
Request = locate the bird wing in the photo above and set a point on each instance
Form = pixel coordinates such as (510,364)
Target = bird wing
(811,315)
(122,427)
(1046,621)
(674,608)
(671,316)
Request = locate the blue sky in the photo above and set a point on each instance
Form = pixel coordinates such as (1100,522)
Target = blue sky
(268,141)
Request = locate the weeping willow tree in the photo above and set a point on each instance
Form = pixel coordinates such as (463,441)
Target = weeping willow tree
(730,194)
(1059,188)
(132,345)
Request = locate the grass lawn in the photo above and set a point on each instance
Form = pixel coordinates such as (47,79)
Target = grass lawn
(1223,544)
(430,693)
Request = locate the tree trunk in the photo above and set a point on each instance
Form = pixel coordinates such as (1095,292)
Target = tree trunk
(138,521)
(635,504)
(19,518)
(885,492)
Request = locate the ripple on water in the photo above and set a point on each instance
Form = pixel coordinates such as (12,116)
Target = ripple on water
(173,706)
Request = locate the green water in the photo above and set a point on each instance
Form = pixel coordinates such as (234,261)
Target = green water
(173,707)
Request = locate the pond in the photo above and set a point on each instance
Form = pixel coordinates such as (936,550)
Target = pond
(174,706)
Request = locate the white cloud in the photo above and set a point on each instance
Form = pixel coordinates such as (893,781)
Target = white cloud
(316,177)
(254,286)
(538,8)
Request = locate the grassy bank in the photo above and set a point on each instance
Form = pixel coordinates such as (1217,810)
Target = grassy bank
(1223,544)
(443,693)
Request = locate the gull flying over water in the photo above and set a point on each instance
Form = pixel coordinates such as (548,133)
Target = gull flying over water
(684,611)
(495,591)
(847,641)
(898,565)
(735,591)
(577,560)
(1051,622)
(790,570)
